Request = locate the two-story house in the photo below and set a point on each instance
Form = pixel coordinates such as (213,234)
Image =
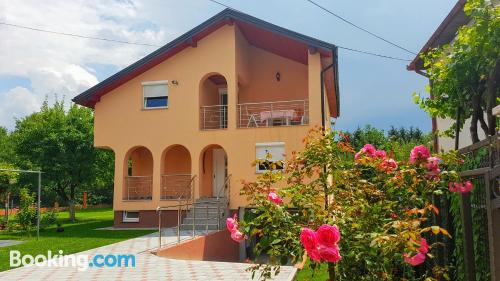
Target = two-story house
(188,120)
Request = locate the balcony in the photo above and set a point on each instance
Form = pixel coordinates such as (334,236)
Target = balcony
(138,188)
(213,117)
(270,114)
(176,186)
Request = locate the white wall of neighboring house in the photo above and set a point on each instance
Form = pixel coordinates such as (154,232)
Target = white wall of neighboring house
(446,143)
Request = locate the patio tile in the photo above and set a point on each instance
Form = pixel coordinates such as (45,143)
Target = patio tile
(148,266)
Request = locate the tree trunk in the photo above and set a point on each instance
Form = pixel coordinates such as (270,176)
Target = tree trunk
(72,203)
(331,271)
(491,97)
(7,207)
(473,128)
(71,210)
(476,111)
(484,126)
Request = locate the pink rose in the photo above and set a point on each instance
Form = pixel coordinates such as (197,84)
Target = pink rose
(467,187)
(232,223)
(237,236)
(368,149)
(424,247)
(415,260)
(419,152)
(380,154)
(313,253)
(433,165)
(328,235)
(388,165)
(330,254)
(460,187)
(273,197)
(308,238)
(357,155)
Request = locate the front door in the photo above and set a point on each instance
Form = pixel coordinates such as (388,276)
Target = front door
(219,172)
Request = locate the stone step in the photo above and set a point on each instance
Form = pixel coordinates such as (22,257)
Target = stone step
(205,215)
(212,220)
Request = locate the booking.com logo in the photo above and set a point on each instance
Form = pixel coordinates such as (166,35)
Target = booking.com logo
(82,262)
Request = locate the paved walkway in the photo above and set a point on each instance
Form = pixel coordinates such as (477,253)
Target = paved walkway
(148,266)
(7,243)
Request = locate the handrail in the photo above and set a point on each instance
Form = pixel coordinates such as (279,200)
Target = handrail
(179,207)
(224,185)
(215,105)
(271,102)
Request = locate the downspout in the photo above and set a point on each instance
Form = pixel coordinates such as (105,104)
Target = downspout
(335,80)
(435,138)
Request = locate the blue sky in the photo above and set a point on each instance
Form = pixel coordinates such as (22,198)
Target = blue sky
(35,66)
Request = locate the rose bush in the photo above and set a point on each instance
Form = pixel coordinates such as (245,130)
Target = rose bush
(380,208)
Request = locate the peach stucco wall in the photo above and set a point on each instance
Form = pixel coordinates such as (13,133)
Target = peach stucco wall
(176,160)
(142,162)
(121,123)
(257,80)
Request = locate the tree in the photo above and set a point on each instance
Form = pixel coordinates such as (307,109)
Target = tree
(60,143)
(7,181)
(465,75)
(7,152)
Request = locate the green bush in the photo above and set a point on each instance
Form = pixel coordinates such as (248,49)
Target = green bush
(48,219)
(27,212)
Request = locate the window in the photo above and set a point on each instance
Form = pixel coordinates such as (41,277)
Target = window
(130,216)
(155,94)
(275,149)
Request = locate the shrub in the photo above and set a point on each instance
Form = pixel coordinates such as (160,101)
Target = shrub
(382,208)
(49,218)
(27,212)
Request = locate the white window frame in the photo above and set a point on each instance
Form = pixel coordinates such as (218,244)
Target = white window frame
(154,83)
(275,156)
(127,219)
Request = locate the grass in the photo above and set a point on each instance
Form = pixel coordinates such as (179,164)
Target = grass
(78,236)
(307,274)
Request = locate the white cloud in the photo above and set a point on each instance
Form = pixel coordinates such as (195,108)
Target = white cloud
(58,65)
(16,103)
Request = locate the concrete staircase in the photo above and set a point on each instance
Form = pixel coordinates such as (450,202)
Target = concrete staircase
(206,213)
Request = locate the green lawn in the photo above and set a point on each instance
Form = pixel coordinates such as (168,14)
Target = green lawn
(306,274)
(79,236)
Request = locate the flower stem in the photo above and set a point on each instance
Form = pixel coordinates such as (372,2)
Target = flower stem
(331,271)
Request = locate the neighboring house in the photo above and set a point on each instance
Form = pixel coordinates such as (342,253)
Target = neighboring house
(445,34)
(188,120)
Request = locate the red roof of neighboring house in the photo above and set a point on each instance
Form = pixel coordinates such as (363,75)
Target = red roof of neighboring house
(258,33)
(444,34)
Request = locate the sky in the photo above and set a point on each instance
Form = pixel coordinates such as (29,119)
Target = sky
(35,66)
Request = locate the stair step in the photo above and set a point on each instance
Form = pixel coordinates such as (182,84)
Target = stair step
(201,220)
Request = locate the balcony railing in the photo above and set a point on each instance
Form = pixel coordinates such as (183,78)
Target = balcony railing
(268,114)
(176,186)
(213,117)
(138,188)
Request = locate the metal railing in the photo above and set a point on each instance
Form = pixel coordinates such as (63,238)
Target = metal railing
(225,190)
(176,186)
(184,208)
(268,114)
(213,117)
(138,188)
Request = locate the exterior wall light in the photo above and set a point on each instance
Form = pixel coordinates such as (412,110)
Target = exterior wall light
(278,76)
(175,82)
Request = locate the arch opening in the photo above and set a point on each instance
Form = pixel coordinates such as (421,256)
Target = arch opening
(213,102)
(176,177)
(213,172)
(138,168)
